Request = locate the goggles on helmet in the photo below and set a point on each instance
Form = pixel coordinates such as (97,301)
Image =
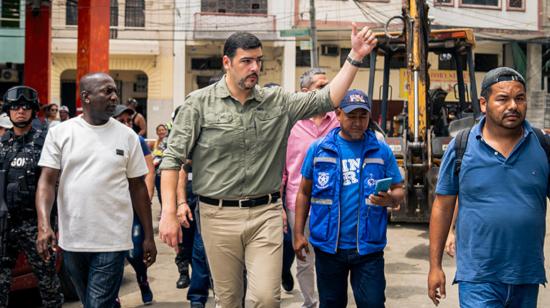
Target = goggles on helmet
(17,93)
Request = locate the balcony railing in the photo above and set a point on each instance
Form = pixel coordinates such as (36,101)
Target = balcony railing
(210,25)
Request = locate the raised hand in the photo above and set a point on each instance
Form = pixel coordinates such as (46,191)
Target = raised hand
(362,42)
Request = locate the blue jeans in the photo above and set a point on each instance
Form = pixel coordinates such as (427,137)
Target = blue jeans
(367,278)
(96,276)
(200,276)
(135,256)
(497,295)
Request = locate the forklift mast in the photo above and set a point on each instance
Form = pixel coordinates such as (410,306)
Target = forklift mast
(426,124)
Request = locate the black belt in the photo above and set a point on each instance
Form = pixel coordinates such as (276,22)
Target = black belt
(243,202)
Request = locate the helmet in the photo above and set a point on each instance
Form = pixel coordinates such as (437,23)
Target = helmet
(18,95)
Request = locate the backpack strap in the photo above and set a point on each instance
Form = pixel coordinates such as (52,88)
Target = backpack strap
(461,141)
(544,140)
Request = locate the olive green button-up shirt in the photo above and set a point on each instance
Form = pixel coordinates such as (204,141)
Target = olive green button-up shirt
(238,150)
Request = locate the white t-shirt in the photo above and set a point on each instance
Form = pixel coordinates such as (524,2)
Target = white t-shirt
(94,206)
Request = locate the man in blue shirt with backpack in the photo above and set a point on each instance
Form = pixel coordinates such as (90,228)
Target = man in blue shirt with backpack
(501,181)
(348,219)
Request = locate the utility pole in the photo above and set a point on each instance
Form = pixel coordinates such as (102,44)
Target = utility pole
(313,34)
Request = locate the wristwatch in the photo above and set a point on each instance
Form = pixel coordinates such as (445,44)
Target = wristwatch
(354,62)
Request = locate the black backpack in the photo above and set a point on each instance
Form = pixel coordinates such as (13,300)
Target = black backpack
(461,141)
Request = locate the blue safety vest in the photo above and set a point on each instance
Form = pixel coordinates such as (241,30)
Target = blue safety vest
(324,221)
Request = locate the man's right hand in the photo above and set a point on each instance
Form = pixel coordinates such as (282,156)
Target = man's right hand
(300,243)
(436,285)
(46,238)
(170,230)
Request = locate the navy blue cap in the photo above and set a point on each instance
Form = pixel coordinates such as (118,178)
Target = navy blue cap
(355,99)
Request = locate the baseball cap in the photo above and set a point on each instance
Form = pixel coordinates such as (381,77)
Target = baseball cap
(119,109)
(500,74)
(355,99)
(5,121)
(64,108)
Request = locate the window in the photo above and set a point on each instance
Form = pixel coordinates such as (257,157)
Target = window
(212,63)
(113,31)
(444,2)
(448,62)
(481,3)
(10,14)
(303,57)
(71,13)
(398,61)
(114,13)
(135,13)
(140,86)
(344,55)
(516,5)
(235,6)
(485,62)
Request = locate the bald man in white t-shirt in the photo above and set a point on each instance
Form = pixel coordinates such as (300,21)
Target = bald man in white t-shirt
(101,169)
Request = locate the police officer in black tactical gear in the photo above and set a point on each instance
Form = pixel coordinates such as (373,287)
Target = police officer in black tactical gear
(19,154)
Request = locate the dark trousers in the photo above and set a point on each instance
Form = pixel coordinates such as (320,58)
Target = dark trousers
(96,276)
(367,278)
(183,258)
(200,276)
(288,250)
(157,187)
(22,237)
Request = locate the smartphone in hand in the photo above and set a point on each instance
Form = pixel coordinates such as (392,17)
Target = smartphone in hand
(382,185)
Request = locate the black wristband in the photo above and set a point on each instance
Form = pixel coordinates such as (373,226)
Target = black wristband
(354,62)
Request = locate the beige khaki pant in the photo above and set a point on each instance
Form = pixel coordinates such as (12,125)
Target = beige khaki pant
(305,270)
(238,238)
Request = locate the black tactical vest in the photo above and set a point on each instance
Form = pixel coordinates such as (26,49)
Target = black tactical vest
(19,157)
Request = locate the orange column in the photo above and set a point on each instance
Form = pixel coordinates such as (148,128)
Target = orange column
(38,36)
(93,40)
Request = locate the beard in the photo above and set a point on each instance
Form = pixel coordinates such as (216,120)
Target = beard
(247,86)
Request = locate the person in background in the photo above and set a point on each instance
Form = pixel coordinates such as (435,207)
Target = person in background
(5,123)
(301,136)
(287,281)
(20,150)
(50,116)
(64,113)
(135,256)
(139,125)
(158,151)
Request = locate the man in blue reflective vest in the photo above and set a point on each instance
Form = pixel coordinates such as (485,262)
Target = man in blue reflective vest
(348,219)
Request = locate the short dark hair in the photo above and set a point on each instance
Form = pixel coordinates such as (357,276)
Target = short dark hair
(242,40)
(486,93)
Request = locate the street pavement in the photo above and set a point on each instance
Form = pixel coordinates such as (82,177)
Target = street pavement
(406,270)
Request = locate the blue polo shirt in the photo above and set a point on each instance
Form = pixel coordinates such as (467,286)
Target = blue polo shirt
(502,209)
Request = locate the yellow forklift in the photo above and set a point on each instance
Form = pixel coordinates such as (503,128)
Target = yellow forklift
(427,122)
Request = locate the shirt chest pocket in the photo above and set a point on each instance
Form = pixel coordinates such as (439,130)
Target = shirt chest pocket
(324,176)
(373,170)
(269,123)
(219,129)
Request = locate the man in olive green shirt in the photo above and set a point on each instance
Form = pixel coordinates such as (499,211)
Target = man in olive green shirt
(236,132)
